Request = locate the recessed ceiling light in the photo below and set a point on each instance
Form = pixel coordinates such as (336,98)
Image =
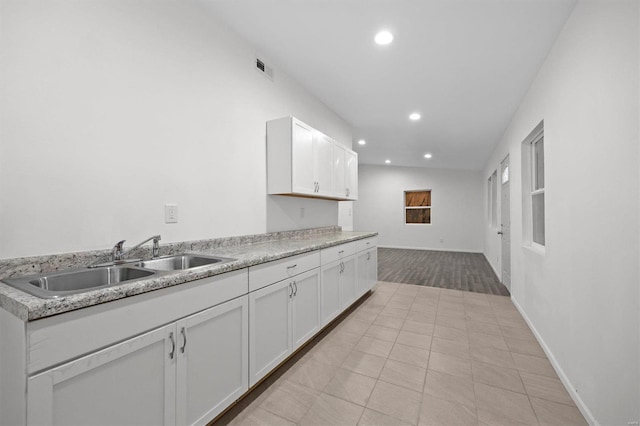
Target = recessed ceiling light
(362,142)
(384,37)
(387,161)
(428,156)
(414,116)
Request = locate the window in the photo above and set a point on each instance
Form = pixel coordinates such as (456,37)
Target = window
(537,189)
(417,207)
(492,199)
(533,186)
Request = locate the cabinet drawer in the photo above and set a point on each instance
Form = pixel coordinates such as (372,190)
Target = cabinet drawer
(367,243)
(334,253)
(268,273)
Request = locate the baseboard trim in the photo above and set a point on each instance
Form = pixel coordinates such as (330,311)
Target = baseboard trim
(430,249)
(492,266)
(561,374)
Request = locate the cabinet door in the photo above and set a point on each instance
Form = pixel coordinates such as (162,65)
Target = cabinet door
(348,281)
(132,382)
(351,174)
(323,163)
(305,307)
(269,328)
(302,159)
(330,292)
(366,270)
(373,267)
(339,166)
(362,272)
(213,365)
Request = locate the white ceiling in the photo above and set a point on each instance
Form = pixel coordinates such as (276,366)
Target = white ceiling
(464,65)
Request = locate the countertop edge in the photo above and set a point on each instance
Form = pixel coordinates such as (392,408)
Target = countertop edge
(30,308)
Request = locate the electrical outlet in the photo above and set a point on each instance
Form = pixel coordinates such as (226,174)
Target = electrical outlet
(170,213)
(301,212)
(442,240)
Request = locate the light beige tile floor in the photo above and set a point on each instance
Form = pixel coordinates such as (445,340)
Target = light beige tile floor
(411,355)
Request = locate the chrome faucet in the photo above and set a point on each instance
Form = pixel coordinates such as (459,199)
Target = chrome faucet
(118,252)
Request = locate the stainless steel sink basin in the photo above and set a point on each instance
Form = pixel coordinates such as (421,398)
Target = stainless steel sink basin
(182,261)
(77,281)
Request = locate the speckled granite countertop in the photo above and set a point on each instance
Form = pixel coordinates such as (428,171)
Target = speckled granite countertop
(247,250)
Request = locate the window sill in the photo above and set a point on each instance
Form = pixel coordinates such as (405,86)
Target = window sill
(538,249)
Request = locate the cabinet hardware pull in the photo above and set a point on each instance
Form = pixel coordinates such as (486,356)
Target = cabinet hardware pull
(173,346)
(290,290)
(184,336)
(292,266)
(368,256)
(295,286)
(341,251)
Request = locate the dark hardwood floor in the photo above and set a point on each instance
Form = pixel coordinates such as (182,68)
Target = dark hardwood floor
(443,269)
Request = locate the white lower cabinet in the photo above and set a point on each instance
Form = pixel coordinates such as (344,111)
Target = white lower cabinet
(366,271)
(183,373)
(348,283)
(284,315)
(206,357)
(330,293)
(212,358)
(132,382)
(338,287)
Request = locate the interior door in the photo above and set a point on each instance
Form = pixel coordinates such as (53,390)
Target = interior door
(505,225)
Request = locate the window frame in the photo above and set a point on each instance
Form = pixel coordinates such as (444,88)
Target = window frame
(529,191)
(429,207)
(534,190)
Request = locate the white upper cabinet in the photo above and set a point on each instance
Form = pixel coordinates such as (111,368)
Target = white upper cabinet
(304,161)
(303,179)
(339,171)
(351,174)
(323,164)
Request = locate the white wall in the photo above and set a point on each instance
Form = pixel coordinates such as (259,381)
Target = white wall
(111,108)
(581,294)
(456,214)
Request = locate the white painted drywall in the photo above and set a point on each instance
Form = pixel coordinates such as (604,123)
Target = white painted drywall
(456,215)
(111,108)
(345,215)
(581,294)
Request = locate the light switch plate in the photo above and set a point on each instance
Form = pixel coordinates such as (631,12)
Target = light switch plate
(170,213)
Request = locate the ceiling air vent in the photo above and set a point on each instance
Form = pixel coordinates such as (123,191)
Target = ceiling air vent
(265,70)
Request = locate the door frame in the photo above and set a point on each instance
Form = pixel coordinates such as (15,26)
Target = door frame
(505,212)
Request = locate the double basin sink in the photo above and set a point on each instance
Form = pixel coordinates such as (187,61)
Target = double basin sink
(76,281)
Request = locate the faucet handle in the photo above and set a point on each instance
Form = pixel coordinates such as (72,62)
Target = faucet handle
(156,246)
(117,251)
